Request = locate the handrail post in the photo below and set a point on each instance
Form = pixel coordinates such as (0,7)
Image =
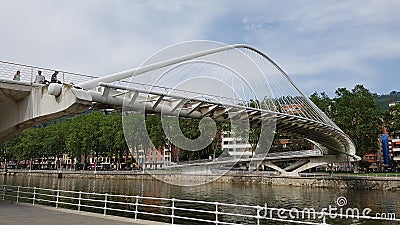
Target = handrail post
(31,75)
(324,219)
(136,206)
(18,194)
(34,195)
(4,191)
(79,201)
(105,204)
(58,194)
(173,211)
(216,212)
(259,208)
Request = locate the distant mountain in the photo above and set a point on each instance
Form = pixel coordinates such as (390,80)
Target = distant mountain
(384,100)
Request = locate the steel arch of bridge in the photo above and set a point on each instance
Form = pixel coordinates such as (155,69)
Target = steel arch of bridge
(312,124)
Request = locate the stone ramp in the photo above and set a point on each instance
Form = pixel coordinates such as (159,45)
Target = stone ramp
(22,213)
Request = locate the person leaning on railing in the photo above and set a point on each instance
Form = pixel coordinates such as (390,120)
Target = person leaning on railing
(54,78)
(17,76)
(40,79)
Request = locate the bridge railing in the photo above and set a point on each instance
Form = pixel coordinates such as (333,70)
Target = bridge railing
(311,152)
(172,210)
(29,73)
(167,91)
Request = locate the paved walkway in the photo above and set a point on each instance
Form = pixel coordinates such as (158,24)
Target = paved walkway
(21,213)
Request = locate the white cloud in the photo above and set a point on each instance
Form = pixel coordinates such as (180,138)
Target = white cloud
(313,41)
(96,36)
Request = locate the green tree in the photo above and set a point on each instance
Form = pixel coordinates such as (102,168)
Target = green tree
(323,102)
(30,145)
(190,129)
(359,116)
(94,133)
(356,113)
(392,119)
(364,164)
(9,149)
(53,139)
(155,130)
(113,138)
(84,136)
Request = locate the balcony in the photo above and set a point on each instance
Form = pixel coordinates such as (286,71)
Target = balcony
(397,149)
(396,158)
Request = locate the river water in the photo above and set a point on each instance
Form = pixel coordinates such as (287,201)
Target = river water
(238,193)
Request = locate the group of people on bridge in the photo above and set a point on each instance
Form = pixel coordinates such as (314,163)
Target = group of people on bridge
(40,79)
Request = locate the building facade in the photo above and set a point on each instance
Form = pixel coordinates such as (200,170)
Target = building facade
(235,146)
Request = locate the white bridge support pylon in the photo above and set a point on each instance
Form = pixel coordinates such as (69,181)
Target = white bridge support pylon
(306,159)
(304,164)
(23,105)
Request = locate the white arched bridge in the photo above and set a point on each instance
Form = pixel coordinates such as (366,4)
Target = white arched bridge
(222,82)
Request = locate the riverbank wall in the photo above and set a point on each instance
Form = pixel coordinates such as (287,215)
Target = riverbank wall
(339,182)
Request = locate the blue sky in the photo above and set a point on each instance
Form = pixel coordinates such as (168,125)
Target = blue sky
(322,45)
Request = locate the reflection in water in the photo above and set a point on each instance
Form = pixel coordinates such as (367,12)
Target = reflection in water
(238,193)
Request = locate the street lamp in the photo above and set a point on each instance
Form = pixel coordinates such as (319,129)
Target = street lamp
(5,160)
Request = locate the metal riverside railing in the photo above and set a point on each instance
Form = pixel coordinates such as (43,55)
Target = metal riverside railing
(354,176)
(171,210)
(137,207)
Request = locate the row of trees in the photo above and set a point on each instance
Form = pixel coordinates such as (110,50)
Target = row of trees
(99,134)
(185,131)
(94,133)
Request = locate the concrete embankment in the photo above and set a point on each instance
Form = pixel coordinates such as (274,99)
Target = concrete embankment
(320,182)
(340,182)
